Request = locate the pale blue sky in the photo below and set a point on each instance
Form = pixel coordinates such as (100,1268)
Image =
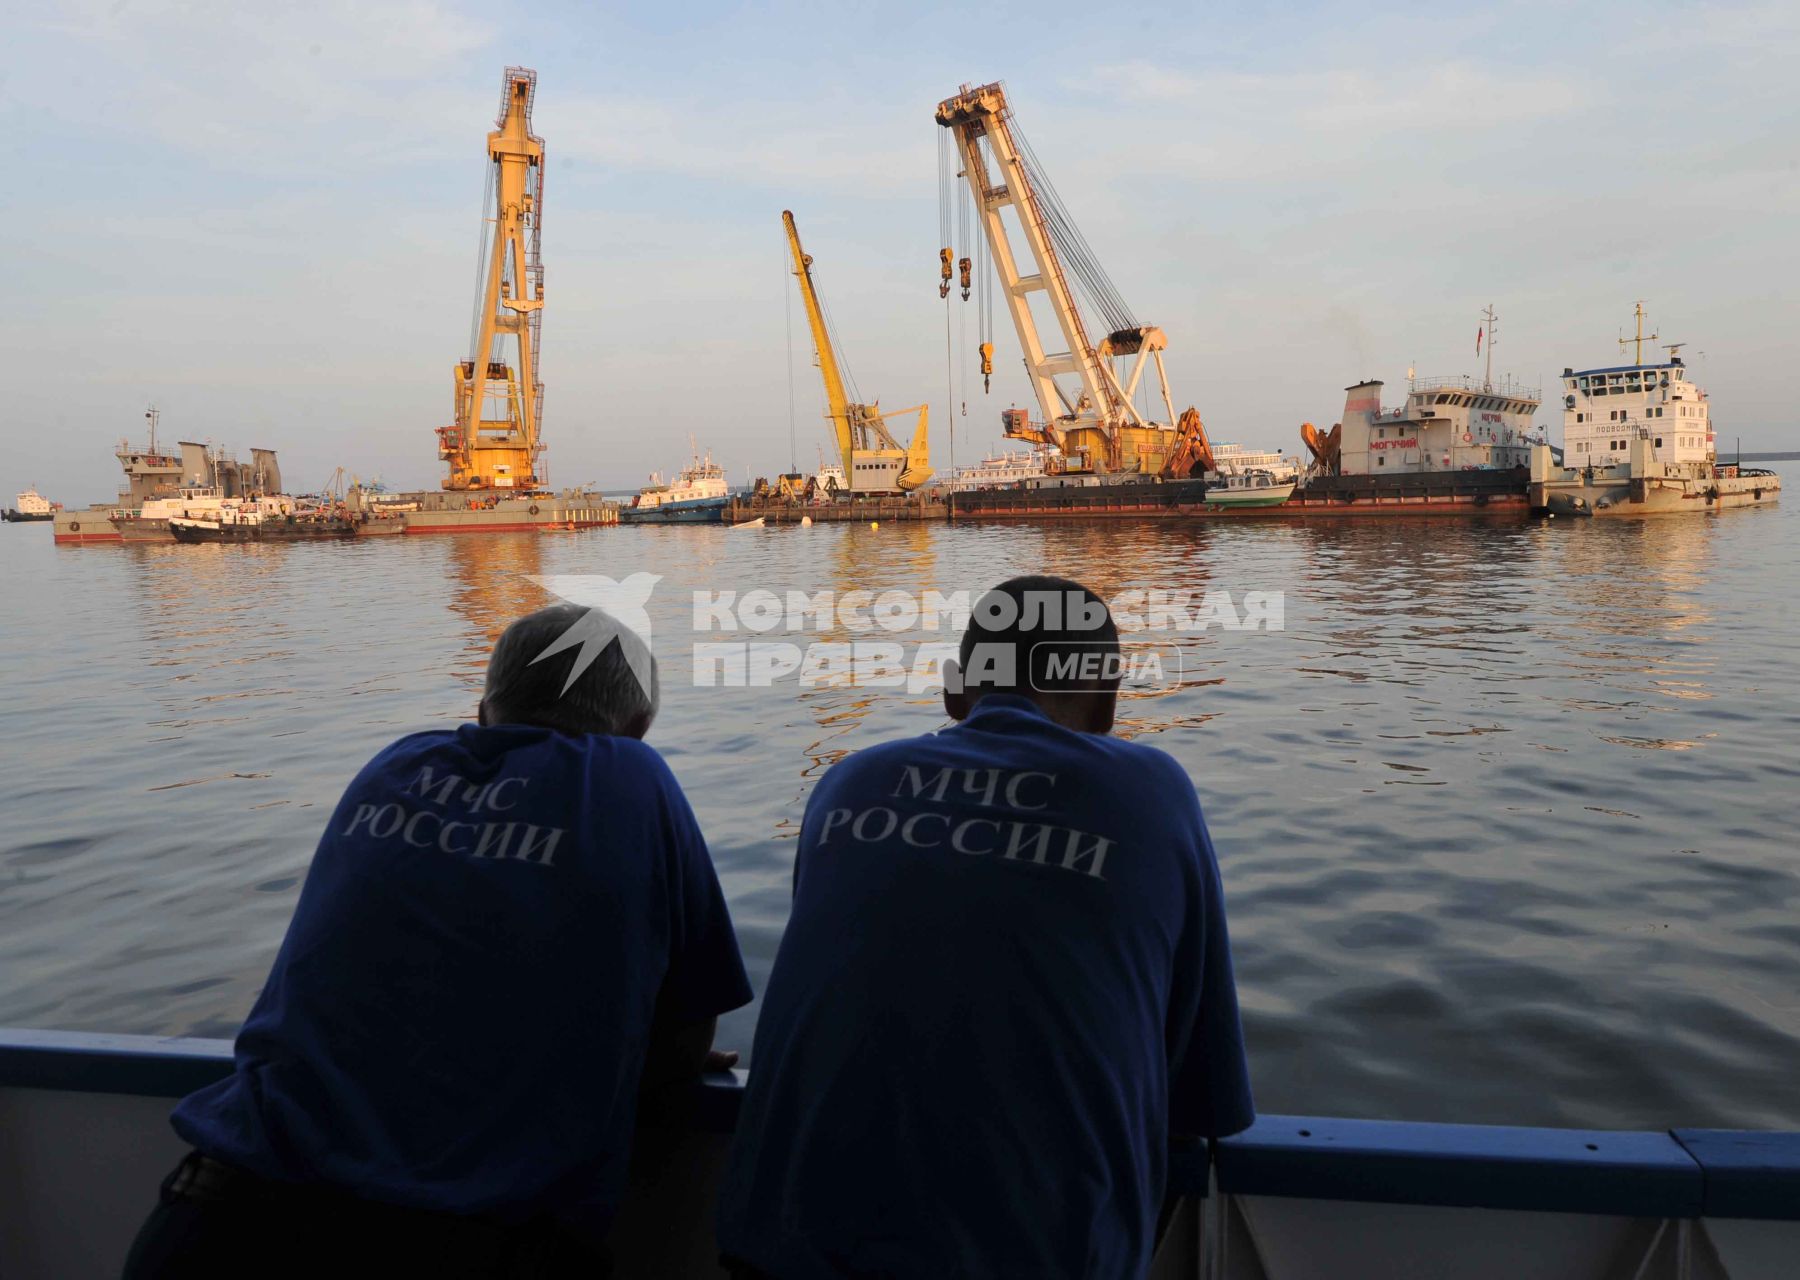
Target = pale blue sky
(263,218)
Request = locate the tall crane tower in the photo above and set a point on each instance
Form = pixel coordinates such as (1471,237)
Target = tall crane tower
(874,461)
(493,441)
(1087,408)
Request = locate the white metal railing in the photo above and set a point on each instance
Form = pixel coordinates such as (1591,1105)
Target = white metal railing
(1508,386)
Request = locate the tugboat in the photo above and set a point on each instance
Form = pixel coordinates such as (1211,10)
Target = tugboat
(266,520)
(1638,440)
(698,496)
(32,506)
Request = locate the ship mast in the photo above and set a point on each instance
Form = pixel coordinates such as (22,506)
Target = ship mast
(1641,338)
(1493,324)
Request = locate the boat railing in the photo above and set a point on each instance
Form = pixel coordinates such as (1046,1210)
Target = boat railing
(1507,386)
(86,1138)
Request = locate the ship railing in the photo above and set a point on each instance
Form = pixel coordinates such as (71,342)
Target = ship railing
(1507,386)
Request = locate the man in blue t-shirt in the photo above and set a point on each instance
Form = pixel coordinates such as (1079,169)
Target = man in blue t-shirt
(1005,985)
(509,929)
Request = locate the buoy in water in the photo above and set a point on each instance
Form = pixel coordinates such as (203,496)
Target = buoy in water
(806,522)
(874,524)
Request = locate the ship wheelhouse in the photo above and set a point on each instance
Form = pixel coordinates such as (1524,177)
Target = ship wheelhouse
(1604,410)
(1444,424)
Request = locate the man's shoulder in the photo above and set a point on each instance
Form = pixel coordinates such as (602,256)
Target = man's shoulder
(494,745)
(1141,757)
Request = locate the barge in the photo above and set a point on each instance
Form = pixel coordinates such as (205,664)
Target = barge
(198,480)
(33,506)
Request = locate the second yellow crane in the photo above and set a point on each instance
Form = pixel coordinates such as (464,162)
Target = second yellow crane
(873,460)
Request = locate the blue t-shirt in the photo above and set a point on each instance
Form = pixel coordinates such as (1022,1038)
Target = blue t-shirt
(1005,984)
(458,1017)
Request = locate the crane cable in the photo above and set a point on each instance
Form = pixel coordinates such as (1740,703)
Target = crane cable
(1070,244)
(946,176)
(481,259)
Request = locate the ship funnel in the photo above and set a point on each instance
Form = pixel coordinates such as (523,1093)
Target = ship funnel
(1362,403)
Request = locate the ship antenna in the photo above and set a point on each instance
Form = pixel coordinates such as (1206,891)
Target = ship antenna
(151,415)
(1640,340)
(1493,321)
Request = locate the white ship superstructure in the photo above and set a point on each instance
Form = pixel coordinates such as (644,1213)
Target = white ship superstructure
(1639,439)
(1445,424)
(700,480)
(999,470)
(1233,459)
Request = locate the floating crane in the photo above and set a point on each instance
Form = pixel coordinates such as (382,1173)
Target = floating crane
(503,451)
(874,461)
(1087,409)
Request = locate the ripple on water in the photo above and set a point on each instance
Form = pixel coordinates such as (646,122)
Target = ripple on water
(1502,813)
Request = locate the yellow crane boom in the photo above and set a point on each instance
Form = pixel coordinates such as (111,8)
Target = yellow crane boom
(873,460)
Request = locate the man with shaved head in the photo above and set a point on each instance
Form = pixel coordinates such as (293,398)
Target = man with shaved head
(509,929)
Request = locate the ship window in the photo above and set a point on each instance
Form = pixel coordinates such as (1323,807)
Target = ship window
(1579,417)
(1381,461)
(1659,442)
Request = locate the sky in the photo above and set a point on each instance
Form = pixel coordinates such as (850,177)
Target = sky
(264,218)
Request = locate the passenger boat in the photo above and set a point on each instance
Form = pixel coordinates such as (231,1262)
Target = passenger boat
(1231,458)
(699,495)
(32,506)
(1001,470)
(1638,439)
(1249,489)
(85,1141)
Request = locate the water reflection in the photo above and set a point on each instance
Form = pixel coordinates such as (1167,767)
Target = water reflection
(490,581)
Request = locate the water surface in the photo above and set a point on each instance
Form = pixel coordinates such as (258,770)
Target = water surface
(1506,813)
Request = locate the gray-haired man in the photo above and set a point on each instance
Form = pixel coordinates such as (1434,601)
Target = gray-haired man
(508,928)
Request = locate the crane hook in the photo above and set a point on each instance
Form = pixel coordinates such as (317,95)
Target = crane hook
(945,257)
(987,366)
(965,264)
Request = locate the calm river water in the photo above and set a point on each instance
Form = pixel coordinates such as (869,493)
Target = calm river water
(1507,813)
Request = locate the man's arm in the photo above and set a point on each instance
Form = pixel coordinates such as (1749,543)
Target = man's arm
(679,1051)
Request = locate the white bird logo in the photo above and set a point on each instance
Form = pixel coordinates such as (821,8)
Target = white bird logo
(615,611)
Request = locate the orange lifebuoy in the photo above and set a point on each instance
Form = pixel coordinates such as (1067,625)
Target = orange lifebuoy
(74,526)
(532,509)
(1467,437)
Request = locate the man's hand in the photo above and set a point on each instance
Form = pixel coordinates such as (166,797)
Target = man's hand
(720,1059)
